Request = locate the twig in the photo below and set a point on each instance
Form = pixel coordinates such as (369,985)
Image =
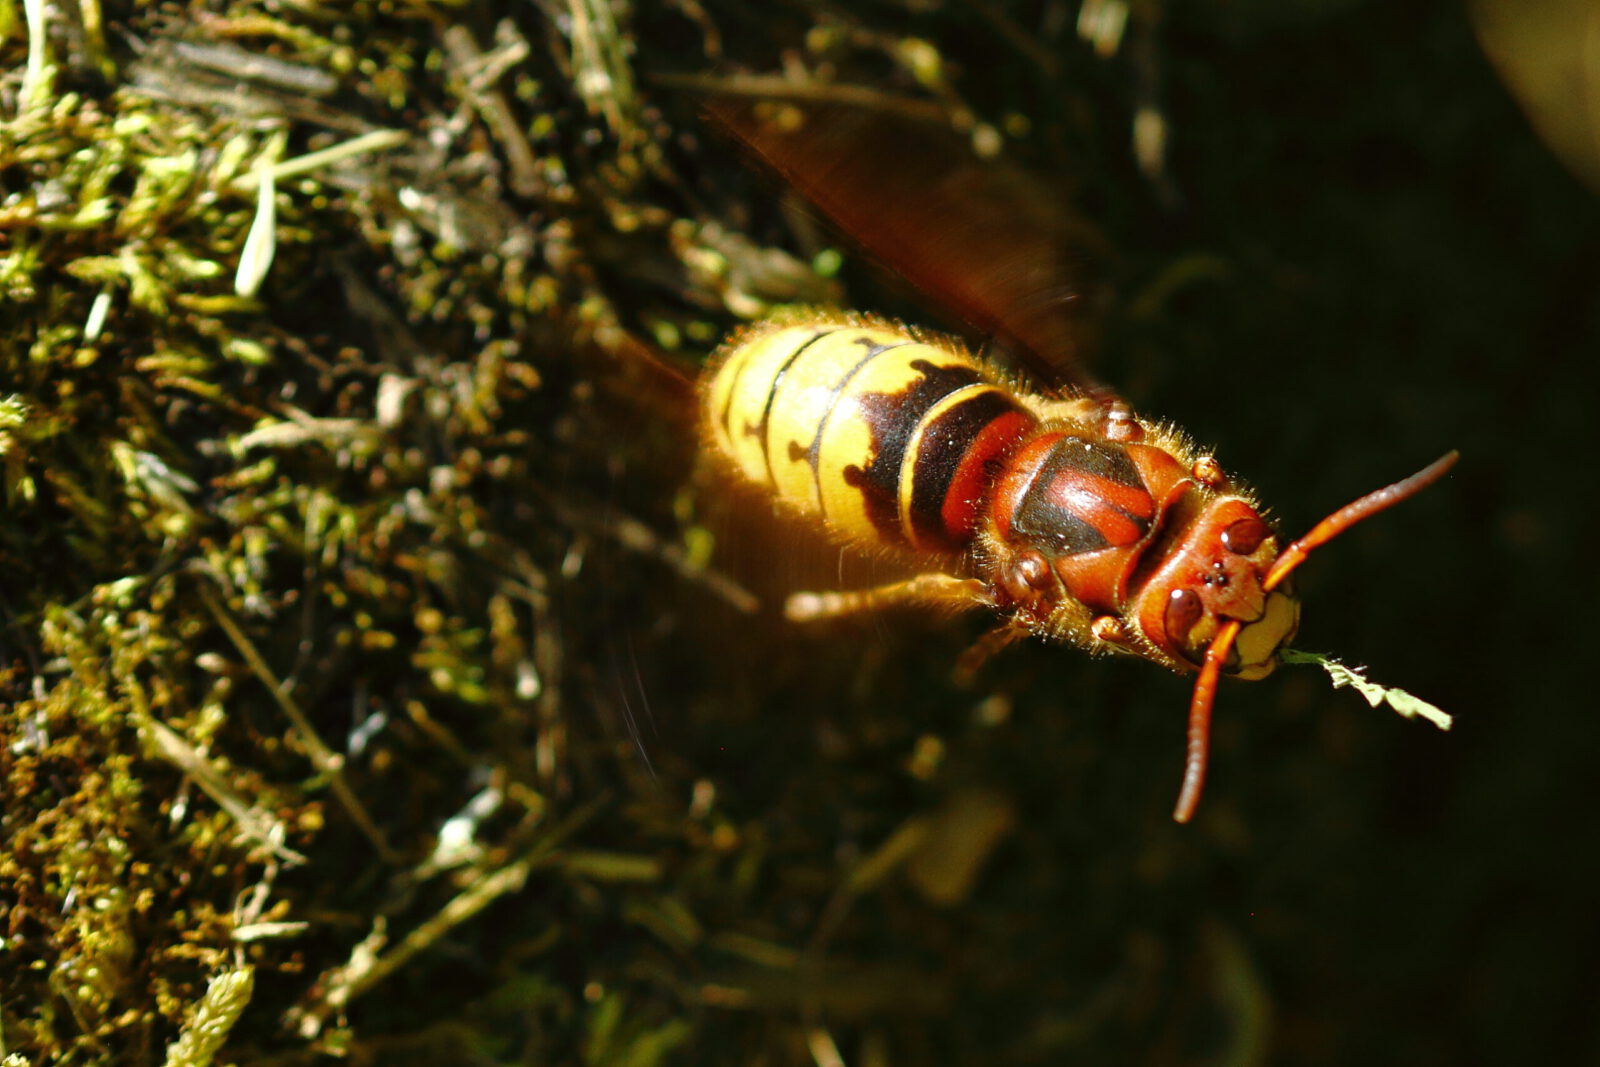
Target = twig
(256,824)
(368,964)
(323,758)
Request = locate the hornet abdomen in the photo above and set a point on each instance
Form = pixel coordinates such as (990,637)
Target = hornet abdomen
(889,438)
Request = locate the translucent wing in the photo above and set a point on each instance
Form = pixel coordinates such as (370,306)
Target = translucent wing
(979,236)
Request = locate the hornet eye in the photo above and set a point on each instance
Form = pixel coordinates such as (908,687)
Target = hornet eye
(1245,536)
(1183,612)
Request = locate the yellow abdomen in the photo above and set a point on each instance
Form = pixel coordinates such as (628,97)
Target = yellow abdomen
(884,436)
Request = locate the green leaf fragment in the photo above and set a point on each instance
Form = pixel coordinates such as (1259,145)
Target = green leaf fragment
(1406,704)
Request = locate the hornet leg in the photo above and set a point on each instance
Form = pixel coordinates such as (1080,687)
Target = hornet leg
(941,591)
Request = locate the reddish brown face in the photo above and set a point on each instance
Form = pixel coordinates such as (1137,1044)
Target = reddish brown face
(1214,573)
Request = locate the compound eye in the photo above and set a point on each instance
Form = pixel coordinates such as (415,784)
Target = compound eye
(1245,536)
(1184,610)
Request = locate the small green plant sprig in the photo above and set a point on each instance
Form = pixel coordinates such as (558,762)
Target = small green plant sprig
(1409,706)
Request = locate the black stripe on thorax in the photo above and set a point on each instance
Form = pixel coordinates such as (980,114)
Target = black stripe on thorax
(1040,517)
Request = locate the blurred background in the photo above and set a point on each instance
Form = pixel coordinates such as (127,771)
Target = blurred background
(374,639)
